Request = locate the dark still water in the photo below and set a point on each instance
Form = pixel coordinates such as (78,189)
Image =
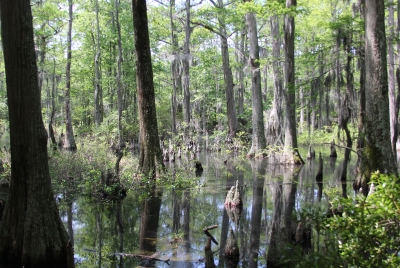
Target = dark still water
(168,224)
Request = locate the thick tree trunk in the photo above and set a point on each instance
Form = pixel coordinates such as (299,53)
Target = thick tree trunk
(31,232)
(150,152)
(275,121)
(258,137)
(377,153)
(69,141)
(291,152)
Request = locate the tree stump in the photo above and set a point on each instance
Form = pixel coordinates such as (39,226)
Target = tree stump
(333,149)
(231,247)
(311,152)
(233,198)
(209,256)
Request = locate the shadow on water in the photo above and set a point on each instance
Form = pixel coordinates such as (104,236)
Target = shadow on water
(164,228)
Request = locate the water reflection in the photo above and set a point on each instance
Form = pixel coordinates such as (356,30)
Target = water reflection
(168,225)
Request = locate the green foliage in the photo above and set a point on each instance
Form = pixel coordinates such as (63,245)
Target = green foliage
(84,172)
(368,231)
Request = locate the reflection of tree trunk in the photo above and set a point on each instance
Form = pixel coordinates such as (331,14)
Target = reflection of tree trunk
(149,222)
(275,240)
(69,223)
(282,233)
(186,220)
(177,212)
(258,173)
(120,231)
(99,231)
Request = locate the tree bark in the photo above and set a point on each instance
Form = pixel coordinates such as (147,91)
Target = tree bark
(228,78)
(392,79)
(69,141)
(98,92)
(258,136)
(290,147)
(150,151)
(175,66)
(274,123)
(121,142)
(185,66)
(31,231)
(377,153)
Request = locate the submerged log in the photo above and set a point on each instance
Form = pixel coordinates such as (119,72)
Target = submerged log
(152,257)
(233,198)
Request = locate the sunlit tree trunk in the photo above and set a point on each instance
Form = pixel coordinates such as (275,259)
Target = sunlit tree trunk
(31,231)
(150,152)
(275,120)
(69,141)
(291,152)
(258,136)
(392,78)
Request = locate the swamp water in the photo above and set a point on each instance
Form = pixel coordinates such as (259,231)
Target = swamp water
(168,224)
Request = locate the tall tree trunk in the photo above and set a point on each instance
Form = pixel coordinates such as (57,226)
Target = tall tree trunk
(290,147)
(228,78)
(175,66)
(240,58)
(185,66)
(275,121)
(150,151)
(121,143)
(258,136)
(392,79)
(377,153)
(69,141)
(31,231)
(98,92)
